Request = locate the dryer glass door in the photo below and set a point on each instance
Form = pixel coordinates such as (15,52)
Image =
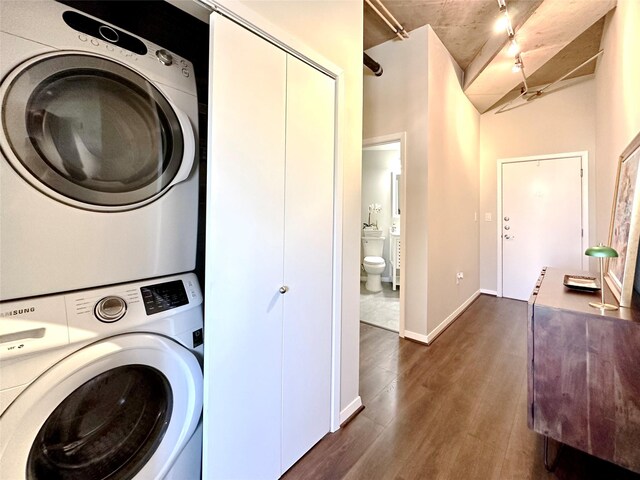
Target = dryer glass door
(109,426)
(91,130)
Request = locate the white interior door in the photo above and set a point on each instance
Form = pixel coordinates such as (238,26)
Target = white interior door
(541,220)
(269,263)
(244,251)
(306,359)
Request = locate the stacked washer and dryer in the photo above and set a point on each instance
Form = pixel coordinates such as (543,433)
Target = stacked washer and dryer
(100,328)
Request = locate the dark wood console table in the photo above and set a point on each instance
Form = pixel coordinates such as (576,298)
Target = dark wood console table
(584,371)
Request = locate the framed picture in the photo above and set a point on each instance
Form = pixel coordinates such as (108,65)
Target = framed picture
(624,230)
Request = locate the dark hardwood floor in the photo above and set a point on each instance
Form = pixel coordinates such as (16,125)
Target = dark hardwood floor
(453,410)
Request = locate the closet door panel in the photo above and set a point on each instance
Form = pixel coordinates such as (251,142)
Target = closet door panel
(308,263)
(244,255)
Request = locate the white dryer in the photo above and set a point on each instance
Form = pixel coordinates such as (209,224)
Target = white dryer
(103,383)
(98,170)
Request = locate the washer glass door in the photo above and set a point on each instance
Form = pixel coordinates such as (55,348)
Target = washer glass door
(107,428)
(91,129)
(121,408)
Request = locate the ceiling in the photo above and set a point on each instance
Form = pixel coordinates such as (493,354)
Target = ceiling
(555,36)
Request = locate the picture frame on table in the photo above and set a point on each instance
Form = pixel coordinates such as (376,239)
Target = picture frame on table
(624,229)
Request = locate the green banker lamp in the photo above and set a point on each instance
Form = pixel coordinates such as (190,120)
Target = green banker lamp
(601,252)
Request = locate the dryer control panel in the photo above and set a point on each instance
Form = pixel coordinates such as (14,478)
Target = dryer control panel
(96,29)
(63,28)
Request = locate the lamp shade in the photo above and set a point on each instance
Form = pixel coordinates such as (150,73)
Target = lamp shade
(601,251)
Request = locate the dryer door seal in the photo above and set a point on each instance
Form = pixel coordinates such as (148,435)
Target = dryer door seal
(41,434)
(91,130)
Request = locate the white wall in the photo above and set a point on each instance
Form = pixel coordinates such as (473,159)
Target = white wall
(377,166)
(334,30)
(453,190)
(563,121)
(397,102)
(599,115)
(618,101)
(419,93)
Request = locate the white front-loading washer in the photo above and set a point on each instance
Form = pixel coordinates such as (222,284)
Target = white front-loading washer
(98,170)
(103,383)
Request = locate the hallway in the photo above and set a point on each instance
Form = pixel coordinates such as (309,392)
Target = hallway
(453,410)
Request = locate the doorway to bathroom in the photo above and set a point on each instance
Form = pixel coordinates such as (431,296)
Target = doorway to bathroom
(382,233)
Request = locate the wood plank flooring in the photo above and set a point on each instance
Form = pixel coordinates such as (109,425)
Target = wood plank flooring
(453,410)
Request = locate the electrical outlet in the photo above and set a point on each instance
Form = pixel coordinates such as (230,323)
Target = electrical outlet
(459,276)
(487,217)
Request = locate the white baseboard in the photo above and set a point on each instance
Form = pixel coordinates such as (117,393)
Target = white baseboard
(431,336)
(489,292)
(418,337)
(350,409)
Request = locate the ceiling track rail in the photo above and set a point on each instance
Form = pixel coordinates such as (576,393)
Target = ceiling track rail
(395,26)
(398,29)
(537,93)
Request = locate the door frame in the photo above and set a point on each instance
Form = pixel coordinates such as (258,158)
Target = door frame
(372,142)
(584,161)
(258,25)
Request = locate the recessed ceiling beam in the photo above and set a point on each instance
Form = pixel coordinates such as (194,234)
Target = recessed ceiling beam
(552,26)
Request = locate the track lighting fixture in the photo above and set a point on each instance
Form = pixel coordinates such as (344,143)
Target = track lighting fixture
(518,66)
(514,48)
(504,23)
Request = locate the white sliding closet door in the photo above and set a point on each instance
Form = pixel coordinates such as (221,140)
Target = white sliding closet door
(269,257)
(243,321)
(308,261)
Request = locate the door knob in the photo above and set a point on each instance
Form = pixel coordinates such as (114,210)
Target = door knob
(507,237)
(283,289)
(507,227)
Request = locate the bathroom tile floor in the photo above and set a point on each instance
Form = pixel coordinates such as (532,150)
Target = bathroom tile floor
(380,309)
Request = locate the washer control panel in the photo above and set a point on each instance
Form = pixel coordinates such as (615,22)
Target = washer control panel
(148,305)
(163,296)
(110,309)
(170,305)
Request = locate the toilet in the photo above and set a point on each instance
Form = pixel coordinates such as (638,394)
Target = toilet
(373,262)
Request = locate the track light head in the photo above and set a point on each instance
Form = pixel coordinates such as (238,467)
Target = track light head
(514,48)
(502,23)
(517,67)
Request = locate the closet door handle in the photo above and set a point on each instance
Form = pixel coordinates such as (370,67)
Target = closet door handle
(283,289)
